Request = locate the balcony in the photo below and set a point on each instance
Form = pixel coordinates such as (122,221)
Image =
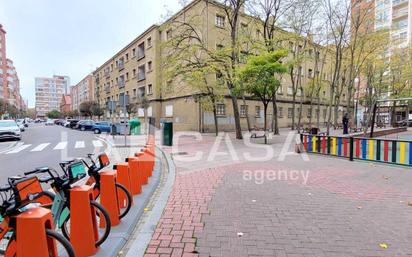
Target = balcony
(396,3)
(400,14)
(121,84)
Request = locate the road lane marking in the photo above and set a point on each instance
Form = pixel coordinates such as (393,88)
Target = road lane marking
(97,143)
(40,147)
(60,146)
(79,144)
(18,149)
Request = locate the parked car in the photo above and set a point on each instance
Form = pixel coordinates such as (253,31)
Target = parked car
(9,130)
(49,122)
(403,123)
(85,125)
(20,123)
(73,124)
(101,126)
(59,121)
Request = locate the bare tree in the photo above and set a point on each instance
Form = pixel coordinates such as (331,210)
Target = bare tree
(337,15)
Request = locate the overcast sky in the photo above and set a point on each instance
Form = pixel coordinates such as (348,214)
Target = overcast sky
(72,37)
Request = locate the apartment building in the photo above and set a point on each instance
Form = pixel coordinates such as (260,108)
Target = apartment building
(393,15)
(82,92)
(9,80)
(137,71)
(3,64)
(13,85)
(49,93)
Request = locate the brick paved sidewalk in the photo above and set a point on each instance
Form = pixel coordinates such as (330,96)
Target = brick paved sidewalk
(341,209)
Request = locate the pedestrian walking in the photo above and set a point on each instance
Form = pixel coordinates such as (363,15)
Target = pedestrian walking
(345,123)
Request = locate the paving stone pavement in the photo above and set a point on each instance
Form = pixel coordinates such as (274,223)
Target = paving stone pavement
(324,207)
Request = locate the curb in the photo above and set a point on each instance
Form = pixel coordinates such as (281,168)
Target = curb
(120,234)
(143,237)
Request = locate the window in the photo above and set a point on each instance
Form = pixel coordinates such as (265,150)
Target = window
(149,89)
(141,73)
(280,90)
(290,90)
(149,65)
(310,52)
(149,42)
(309,113)
(127,57)
(134,92)
(290,113)
(120,63)
(280,112)
(220,21)
(141,92)
(134,52)
(140,51)
(120,81)
(127,75)
(243,110)
(221,109)
(291,45)
(219,75)
(257,111)
(310,73)
(169,34)
(134,73)
(324,113)
(258,33)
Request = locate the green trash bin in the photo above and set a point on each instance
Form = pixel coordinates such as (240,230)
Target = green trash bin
(135,127)
(167,133)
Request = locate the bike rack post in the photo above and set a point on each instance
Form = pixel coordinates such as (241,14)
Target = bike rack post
(83,223)
(150,159)
(123,177)
(108,196)
(31,236)
(136,176)
(144,167)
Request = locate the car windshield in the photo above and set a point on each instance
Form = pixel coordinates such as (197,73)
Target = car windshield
(5,124)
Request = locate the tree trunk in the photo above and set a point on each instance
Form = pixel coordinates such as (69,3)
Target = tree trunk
(300,108)
(215,119)
(247,114)
(318,115)
(236,116)
(275,125)
(265,106)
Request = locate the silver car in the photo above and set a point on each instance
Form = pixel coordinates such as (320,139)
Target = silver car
(9,130)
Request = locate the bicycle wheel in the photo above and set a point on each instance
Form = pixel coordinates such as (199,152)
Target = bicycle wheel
(102,218)
(128,204)
(62,246)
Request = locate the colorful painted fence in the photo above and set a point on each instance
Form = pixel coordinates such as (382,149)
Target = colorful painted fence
(379,150)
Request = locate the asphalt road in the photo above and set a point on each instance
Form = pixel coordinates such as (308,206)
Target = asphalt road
(45,146)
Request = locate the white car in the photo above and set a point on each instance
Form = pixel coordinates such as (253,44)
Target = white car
(20,123)
(9,130)
(49,122)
